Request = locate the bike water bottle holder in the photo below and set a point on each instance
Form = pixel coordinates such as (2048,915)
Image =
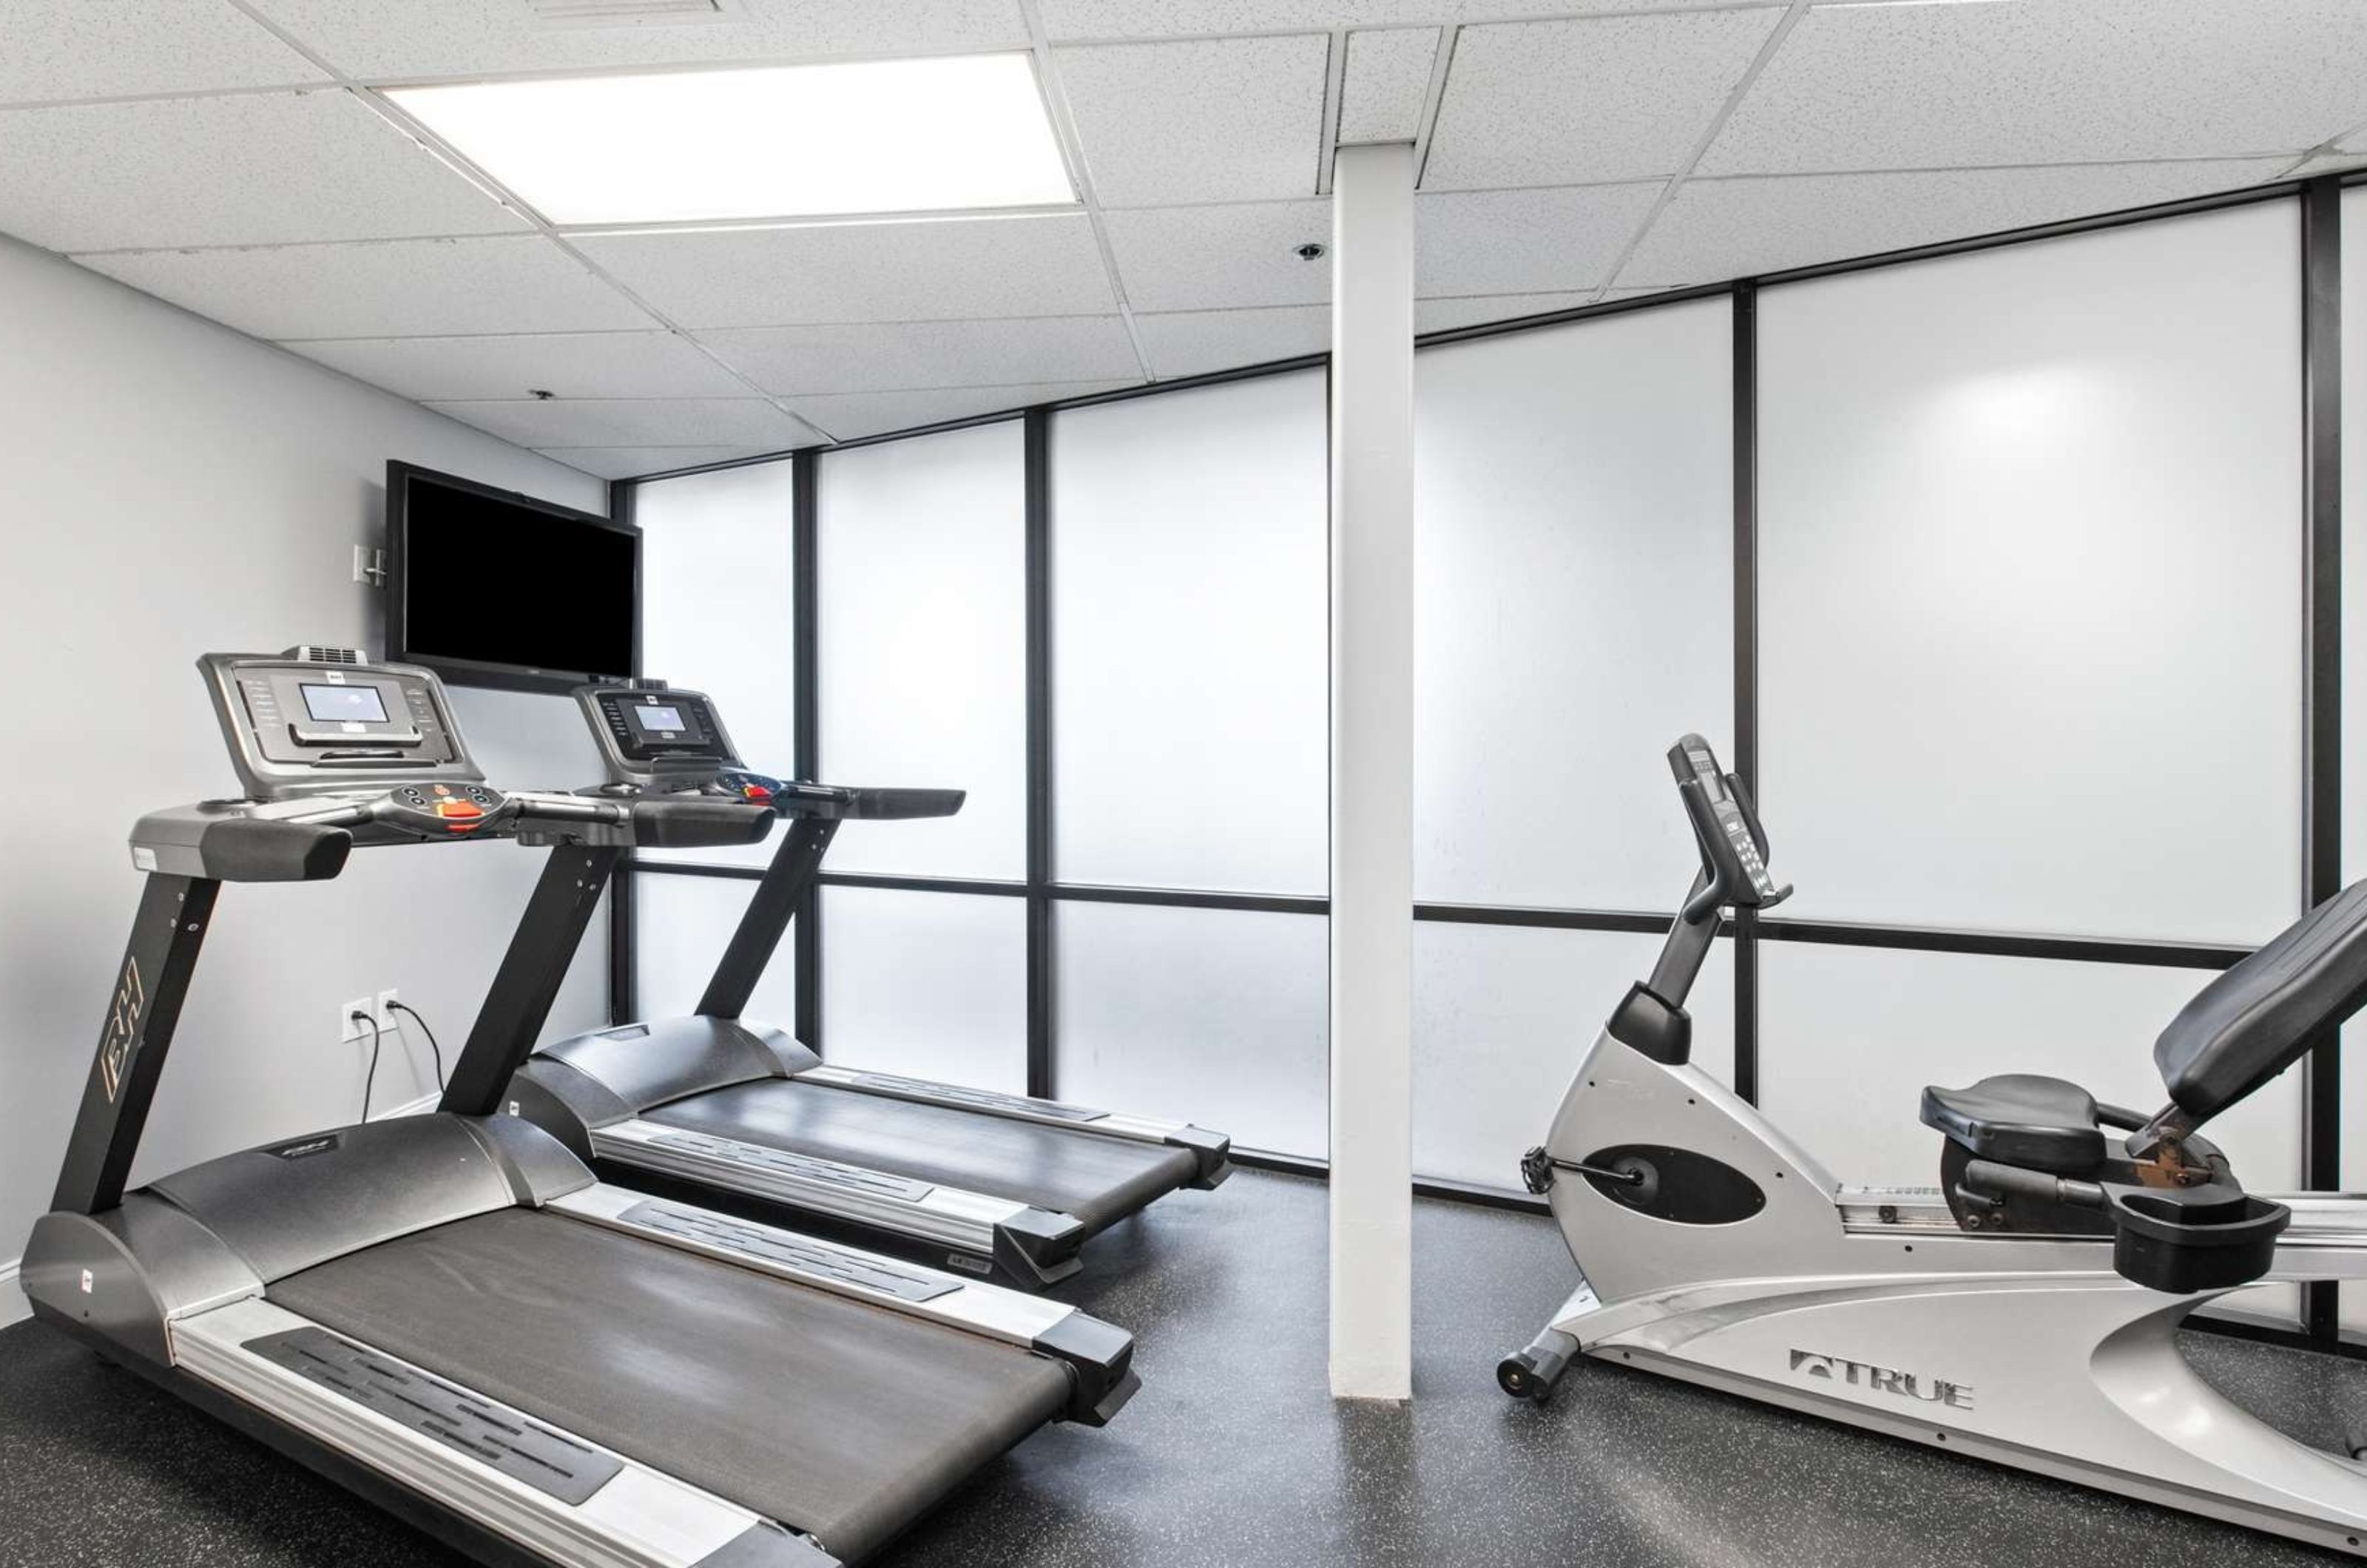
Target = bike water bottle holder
(2181,1240)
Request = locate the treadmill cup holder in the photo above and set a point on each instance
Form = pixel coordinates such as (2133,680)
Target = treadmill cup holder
(2201,1238)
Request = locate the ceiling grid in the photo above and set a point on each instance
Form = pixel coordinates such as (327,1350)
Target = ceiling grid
(243,159)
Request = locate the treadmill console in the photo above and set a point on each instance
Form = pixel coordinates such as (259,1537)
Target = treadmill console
(656,737)
(315,720)
(661,739)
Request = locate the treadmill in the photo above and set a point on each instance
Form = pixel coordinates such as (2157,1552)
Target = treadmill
(740,1114)
(446,1313)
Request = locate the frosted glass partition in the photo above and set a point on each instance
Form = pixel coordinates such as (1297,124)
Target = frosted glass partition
(717,611)
(932,984)
(1575,516)
(680,927)
(1501,1017)
(2029,534)
(1211,1016)
(1190,691)
(922,551)
(1849,1037)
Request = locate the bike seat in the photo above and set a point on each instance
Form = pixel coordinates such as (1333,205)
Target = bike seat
(2021,1119)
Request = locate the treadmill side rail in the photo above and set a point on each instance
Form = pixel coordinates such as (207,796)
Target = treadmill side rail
(1211,1150)
(990,1309)
(1030,1248)
(637,1517)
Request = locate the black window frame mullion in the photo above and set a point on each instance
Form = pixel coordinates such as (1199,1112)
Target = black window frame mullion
(2321,329)
(805,631)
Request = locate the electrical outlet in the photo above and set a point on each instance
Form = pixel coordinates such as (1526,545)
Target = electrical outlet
(388,1019)
(352,1027)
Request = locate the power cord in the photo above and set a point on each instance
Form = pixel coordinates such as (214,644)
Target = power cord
(432,1046)
(370,1081)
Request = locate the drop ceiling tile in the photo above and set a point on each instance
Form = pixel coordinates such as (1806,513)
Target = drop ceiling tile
(1525,241)
(1177,18)
(924,270)
(1192,258)
(2069,81)
(63,50)
(397,288)
(633,422)
(573,365)
(1171,18)
(854,416)
(1387,79)
(1192,343)
(2327,164)
(1472,309)
(1222,120)
(461,38)
(267,169)
(1716,230)
(891,356)
(632,462)
(1587,101)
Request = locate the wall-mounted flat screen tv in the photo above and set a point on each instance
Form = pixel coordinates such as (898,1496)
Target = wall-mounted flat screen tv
(490,588)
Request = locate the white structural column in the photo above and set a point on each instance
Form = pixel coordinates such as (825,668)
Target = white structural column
(1372,773)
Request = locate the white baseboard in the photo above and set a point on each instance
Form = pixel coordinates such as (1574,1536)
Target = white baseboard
(420,1107)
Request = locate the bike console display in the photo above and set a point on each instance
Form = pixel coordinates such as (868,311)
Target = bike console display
(1733,846)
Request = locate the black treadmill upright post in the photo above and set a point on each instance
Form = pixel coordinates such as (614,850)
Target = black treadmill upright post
(527,982)
(796,863)
(133,1039)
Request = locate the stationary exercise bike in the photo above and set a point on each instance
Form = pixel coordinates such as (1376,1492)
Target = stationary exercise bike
(2025,1310)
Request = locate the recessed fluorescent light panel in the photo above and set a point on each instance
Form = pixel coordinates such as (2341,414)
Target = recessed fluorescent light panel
(788,142)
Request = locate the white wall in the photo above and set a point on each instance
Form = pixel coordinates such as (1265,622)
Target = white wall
(175,488)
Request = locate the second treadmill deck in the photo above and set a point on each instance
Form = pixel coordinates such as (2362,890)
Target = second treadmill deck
(1099,1181)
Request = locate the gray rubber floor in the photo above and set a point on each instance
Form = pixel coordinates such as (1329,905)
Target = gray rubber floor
(1233,1455)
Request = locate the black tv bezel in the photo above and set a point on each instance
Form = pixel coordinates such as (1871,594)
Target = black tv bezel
(473,671)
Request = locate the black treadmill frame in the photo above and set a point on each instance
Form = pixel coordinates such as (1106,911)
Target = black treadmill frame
(168,933)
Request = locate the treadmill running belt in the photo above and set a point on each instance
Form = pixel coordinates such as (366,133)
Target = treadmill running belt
(1099,1179)
(834,1417)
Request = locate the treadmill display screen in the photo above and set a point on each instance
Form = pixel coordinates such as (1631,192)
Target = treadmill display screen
(654,720)
(343,705)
